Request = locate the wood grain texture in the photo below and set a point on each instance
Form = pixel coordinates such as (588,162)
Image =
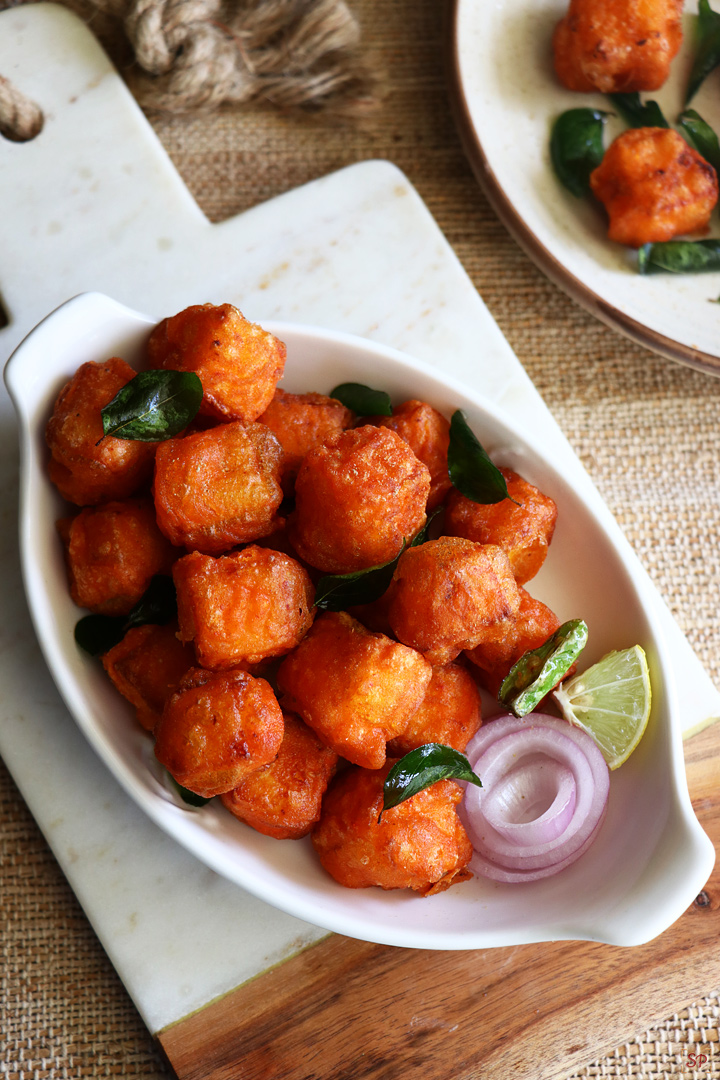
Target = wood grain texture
(349,1010)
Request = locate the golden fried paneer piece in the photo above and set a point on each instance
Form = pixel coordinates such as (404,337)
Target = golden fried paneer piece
(359,496)
(217,728)
(237,362)
(354,688)
(523,531)
(428,434)
(450,713)
(146,666)
(654,187)
(283,799)
(243,607)
(300,422)
(111,552)
(506,642)
(447,592)
(218,488)
(617,46)
(420,844)
(85,466)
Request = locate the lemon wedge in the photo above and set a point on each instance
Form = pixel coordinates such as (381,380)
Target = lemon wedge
(611,702)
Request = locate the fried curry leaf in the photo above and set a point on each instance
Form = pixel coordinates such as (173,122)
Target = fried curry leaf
(539,670)
(96,634)
(469,465)
(701,136)
(637,113)
(336,592)
(576,147)
(154,406)
(420,769)
(363,400)
(186,795)
(679,257)
(707,48)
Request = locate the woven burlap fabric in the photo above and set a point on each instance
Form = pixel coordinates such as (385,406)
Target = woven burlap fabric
(647,431)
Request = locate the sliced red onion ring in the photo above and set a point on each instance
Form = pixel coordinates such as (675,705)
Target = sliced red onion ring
(544,794)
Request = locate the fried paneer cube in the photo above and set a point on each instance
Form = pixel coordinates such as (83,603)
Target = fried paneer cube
(301,422)
(358,497)
(283,799)
(428,433)
(420,844)
(447,592)
(617,46)
(450,713)
(354,688)
(237,362)
(86,466)
(506,642)
(112,552)
(243,607)
(217,728)
(218,488)
(654,187)
(523,528)
(146,666)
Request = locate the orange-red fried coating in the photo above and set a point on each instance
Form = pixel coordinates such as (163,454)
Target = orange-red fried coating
(359,496)
(617,46)
(419,845)
(216,728)
(450,713)
(146,666)
(218,488)
(111,552)
(523,531)
(243,607)
(300,422)
(654,187)
(85,466)
(283,799)
(447,592)
(428,434)
(237,362)
(354,688)
(506,642)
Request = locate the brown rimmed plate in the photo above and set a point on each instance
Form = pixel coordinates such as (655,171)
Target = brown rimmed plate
(505,97)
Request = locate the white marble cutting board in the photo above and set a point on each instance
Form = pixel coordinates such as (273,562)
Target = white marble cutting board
(93,203)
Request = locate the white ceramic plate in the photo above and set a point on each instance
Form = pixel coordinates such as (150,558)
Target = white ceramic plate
(506,96)
(651,857)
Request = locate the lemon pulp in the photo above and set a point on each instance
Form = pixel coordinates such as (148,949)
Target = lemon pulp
(611,702)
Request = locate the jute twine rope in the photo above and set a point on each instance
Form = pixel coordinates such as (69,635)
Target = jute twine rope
(297,55)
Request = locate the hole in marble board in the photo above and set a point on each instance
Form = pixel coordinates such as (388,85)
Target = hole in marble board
(4,317)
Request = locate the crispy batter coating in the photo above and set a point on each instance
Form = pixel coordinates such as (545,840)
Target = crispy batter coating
(419,845)
(617,46)
(505,643)
(358,496)
(428,434)
(654,187)
(243,607)
(219,487)
(217,728)
(450,713)
(283,799)
(354,688)
(447,592)
(146,666)
(523,531)
(301,422)
(111,552)
(86,467)
(238,362)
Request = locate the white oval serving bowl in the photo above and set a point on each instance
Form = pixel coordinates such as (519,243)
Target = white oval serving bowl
(651,857)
